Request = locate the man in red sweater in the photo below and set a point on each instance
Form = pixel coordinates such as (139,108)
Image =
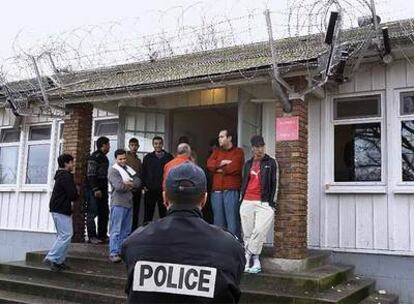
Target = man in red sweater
(226,164)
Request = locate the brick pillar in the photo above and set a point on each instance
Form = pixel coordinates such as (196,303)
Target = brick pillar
(291,217)
(77,141)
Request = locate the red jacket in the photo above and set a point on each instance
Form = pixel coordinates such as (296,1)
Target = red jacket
(178,160)
(228,177)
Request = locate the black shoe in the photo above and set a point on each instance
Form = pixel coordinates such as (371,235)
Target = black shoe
(65,266)
(55,267)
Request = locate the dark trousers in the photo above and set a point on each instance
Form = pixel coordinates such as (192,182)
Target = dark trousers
(136,199)
(152,198)
(97,207)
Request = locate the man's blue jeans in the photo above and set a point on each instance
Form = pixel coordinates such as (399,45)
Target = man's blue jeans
(121,224)
(225,205)
(64,229)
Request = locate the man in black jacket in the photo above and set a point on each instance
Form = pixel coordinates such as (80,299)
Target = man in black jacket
(97,192)
(63,195)
(152,175)
(258,194)
(181,258)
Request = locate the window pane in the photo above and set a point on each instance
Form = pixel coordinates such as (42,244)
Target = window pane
(151,117)
(8,164)
(407,149)
(10,135)
(62,127)
(114,146)
(37,164)
(358,152)
(407,103)
(106,127)
(160,122)
(368,106)
(39,133)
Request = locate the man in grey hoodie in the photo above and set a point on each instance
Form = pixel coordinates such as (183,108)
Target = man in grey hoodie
(122,179)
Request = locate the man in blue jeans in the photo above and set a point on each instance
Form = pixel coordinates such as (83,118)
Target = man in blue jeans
(122,179)
(226,164)
(61,202)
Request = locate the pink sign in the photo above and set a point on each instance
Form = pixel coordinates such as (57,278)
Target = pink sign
(287,128)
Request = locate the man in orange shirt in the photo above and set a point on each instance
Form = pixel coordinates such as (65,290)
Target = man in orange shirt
(183,155)
(226,164)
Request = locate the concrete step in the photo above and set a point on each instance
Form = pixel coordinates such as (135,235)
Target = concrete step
(316,279)
(77,290)
(350,292)
(100,262)
(9,297)
(113,275)
(376,298)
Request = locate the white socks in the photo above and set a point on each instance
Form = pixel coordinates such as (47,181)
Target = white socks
(256,261)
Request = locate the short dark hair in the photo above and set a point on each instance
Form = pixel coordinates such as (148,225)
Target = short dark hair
(228,132)
(184,198)
(133,140)
(119,152)
(157,138)
(102,141)
(64,159)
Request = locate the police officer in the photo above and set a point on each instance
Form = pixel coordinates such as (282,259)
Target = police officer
(181,258)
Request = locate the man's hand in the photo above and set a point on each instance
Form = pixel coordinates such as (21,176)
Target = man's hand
(225,162)
(129,184)
(98,194)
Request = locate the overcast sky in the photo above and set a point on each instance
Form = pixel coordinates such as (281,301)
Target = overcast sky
(41,18)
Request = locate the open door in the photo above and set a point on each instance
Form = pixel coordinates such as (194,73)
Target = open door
(250,123)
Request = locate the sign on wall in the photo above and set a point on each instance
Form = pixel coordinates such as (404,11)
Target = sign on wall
(287,128)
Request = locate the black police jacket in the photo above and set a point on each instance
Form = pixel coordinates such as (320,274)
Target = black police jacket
(183,259)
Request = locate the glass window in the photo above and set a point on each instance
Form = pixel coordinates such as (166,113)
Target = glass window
(407,150)
(40,133)
(37,164)
(350,108)
(106,127)
(8,164)
(10,135)
(407,103)
(147,125)
(357,152)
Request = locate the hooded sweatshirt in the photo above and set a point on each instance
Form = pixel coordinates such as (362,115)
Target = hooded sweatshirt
(64,193)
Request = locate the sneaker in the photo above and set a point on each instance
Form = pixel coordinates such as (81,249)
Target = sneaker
(115,258)
(254,269)
(94,241)
(55,267)
(65,266)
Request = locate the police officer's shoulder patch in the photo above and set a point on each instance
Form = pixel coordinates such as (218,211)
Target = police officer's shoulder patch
(174,278)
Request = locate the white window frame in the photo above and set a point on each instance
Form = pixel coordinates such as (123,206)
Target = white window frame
(40,187)
(110,137)
(331,186)
(13,144)
(164,135)
(402,186)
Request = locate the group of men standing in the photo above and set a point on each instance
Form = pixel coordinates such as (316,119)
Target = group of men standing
(242,194)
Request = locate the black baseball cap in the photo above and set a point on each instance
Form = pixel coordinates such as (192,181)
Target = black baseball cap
(257,141)
(186,178)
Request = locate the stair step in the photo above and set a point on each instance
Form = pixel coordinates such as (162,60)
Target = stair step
(376,298)
(72,259)
(113,275)
(78,291)
(316,279)
(9,297)
(350,292)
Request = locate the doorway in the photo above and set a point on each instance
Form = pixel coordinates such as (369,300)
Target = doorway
(201,126)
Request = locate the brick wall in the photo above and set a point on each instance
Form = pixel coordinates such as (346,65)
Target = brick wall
(77,142)
(291,216)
